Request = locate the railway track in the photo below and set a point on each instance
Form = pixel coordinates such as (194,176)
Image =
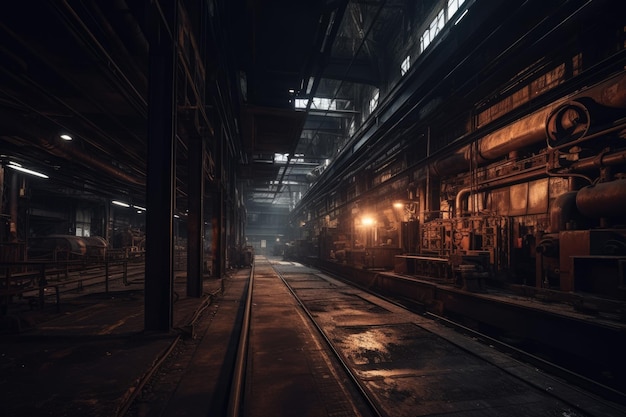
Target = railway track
(310,344)
(397,363)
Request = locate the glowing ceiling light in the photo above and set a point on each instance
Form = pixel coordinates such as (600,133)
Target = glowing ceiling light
(18,167)
(66,137)
(120,203)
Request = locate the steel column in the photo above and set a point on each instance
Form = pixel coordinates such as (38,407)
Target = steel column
(195,219)
(217,209)
(162,20)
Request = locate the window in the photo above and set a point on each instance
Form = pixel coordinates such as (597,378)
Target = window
(453,6)
(323,104)
(437,24)
(433,29)
(406,64)
(280,158)
(301,103)
(318,103)
(374,100)
(425,40)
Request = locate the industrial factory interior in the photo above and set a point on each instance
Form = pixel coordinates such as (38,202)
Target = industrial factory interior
(457,168)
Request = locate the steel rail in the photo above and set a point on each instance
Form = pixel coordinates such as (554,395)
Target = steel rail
(237,383)
(133,392)
(355,380)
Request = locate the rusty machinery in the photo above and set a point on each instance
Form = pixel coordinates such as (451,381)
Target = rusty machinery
(537,202)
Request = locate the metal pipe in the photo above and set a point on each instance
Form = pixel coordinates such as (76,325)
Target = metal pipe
(236,387)
(72,153)
(599,161)
(605,199)
(528,130)
(510,179)
(562,210)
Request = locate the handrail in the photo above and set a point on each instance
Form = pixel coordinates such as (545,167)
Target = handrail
(35,275)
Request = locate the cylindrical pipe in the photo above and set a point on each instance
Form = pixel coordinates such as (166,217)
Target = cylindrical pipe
(549,245)
(524,132)
(599,161)
(500,182)
(562,211)
(518,135)
(527,130)
(606,199)
(71,153)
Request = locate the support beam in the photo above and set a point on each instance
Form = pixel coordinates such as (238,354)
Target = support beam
(217,209)
(161,165)
(195,218)
(217,225)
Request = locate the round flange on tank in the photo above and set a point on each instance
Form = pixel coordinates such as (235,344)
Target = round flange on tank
(567,123)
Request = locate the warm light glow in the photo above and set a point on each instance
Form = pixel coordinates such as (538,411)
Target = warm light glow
(120,203)
(398,205)
(18,167)
(66,137)
(367,221)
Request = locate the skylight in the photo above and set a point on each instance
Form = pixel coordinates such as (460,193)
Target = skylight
(374,100)
(406,64)
(437,24)
(318,103)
